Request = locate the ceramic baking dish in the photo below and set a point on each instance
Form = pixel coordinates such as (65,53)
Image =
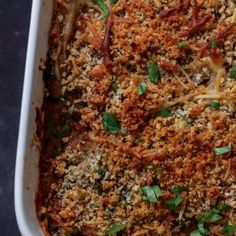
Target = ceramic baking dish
(26,174)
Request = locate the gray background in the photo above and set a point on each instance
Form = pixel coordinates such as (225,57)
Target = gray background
(14,25)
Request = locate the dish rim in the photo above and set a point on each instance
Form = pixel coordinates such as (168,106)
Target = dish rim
(19,189)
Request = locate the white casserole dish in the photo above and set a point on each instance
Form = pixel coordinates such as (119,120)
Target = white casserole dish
(26,172)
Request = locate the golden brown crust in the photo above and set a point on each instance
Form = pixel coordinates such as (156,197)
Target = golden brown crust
(168,133)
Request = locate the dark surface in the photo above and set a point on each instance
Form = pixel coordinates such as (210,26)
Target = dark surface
(14,24)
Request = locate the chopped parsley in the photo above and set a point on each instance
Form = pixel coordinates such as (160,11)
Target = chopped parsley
(232,72)
(114,229)
(110,123)
(183,44)
(154,72)
(104,9)
(229,229)
(214,43)
(165,112)
(222,150)
(174,202)
(150,193)
(214,105)
(142,87)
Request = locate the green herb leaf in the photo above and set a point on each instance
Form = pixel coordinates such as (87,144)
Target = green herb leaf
(75,230)
(183,44)
(104,8)
(142,87)
(110,123)
(150,193)
(195,233)
(157,191)
(64,132)
(165,112)
(114,229)
(214,105)
(154,72)
(56,152)
(222,207)
(81,105)
(232,72)
(114,87)
(113,1)
(214,44)
(222,150)
(202,229)
(211,216)
(179,189)
(174,202)
(229,229)
(159,170)
(138,140)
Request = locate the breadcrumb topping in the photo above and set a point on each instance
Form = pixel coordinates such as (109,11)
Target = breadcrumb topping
(139,134)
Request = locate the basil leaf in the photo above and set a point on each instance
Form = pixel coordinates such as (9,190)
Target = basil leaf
(214,105)
(110,123)
(114,229)
(138,140)
(114,87)
(56,152)
(143,194)
(232,72)
(157,191)
(183,44)
(159,170)
(202,229)
(179,189)
(195,233)
(211,216)
(214,44)
(173,203)
(81,105)
(229,229)
(222,150)
(113,1)
(154,72)
(165,112)
(104,8)
(142,87)
(75,230)
(222,207)
(64,132)
(150,193)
